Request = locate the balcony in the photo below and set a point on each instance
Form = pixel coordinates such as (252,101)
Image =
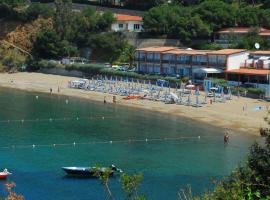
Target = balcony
(140,59)
(184,62)
(219,65)
(153,60)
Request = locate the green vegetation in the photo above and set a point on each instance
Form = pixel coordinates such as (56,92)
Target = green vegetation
(129,184)
(71,31)
(248,41)
(201,21)
(10,59)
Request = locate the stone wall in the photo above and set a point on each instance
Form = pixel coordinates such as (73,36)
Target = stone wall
(62,72)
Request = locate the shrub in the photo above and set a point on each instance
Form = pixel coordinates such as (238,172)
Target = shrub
(257,91)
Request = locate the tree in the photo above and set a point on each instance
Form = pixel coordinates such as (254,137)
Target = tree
(248,16)
(264,17)
(216,13)
(88,22)
(36,10)
(15,3)
(63,19)
(130,184)
(143,4)
(248,42)
(128,56)
(47,45)
(11,59)
(176,22)
(107,46)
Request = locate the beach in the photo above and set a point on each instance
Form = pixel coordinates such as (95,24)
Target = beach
(225,115)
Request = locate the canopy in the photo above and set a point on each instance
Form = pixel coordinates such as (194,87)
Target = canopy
(190,86)
(207,71)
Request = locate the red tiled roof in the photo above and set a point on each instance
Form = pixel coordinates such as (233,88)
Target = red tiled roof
(261,31)
(249,71)
(260,52)
(187,52)
(128,18)
(226,51)
(156,49)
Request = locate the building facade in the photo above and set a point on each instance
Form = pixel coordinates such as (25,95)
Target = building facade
(127,23)
(226,36)
(253,70)
(188,62)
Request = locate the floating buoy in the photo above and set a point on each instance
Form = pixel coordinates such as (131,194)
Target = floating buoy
(50,119)
(103,117)
(111,142)
(54,145)
(146,140)
(36,97)
(22,120)
(66,101)
(77,118)
(33,146)
(74,143)
(199,137)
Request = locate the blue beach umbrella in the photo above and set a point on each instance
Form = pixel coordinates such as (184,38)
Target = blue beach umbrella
(230,93)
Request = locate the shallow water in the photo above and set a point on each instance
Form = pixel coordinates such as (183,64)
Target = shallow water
(167,165)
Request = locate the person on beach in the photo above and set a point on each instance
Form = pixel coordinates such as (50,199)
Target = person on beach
(58,89)
(50,90)
(104,101)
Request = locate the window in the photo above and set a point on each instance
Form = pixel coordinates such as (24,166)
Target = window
(136,26)
(121,26)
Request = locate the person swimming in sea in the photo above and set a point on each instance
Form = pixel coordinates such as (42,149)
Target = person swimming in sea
(226,136)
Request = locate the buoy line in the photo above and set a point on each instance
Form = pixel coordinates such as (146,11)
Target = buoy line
(129,141)
(59,119)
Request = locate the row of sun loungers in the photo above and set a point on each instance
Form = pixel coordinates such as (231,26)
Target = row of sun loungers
(147,91)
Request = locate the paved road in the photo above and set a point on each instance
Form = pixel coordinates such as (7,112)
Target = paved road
(80,7)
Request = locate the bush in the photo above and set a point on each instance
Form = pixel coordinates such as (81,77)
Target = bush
(257,91)
(219,82)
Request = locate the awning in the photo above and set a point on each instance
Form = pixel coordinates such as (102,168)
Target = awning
(207,71)
(249,71)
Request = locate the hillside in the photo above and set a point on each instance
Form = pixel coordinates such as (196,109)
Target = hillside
(23,35)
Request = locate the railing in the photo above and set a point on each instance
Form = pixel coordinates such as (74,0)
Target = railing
(217,64)
(183,62)
(153,60)
(140,59)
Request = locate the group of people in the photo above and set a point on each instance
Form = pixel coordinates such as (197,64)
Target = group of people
(58,90)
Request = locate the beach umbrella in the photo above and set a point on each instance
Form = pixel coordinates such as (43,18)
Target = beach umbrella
(205,97)
(214,88)
(222,94)
(197,101)
(238,93)
(189,100)
(230,93)
(190,87)
(197,93)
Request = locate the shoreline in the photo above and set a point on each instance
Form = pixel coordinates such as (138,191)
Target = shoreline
(224,115)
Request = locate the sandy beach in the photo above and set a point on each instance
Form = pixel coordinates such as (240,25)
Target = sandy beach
(225,115)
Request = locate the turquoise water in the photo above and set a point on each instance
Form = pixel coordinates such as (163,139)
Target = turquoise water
(167,165)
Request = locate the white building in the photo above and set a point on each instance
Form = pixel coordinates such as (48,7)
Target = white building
(128,23)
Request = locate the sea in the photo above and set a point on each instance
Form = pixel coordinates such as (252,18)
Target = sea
(41,133)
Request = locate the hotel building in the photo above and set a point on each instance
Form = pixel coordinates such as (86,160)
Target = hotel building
(188,62)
